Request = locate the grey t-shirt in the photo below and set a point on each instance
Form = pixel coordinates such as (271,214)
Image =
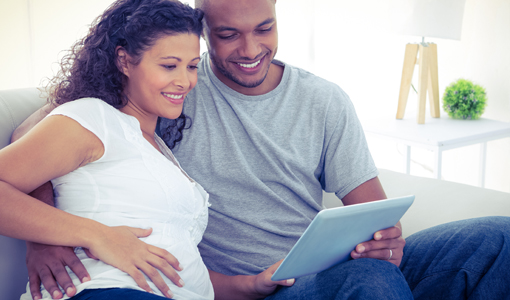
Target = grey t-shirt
(265,160)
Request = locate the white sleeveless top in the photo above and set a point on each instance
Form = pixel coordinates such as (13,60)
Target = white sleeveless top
(133,184)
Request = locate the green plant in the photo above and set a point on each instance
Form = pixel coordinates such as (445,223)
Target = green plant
(464,100)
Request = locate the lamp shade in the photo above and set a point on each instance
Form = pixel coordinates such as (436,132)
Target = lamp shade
(430,18)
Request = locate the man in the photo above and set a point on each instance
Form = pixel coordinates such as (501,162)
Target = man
(266,139)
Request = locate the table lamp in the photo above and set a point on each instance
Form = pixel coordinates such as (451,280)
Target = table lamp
(426,18)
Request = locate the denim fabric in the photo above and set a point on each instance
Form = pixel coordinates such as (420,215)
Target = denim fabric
(466,259)
(115,294)
(355,279)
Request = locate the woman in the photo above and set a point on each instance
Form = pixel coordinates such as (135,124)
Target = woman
(108,168)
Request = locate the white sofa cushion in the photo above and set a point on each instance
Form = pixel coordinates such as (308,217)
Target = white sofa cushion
(437,201)
(15,106)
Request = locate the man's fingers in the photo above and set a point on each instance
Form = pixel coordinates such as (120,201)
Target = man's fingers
(287,282)
(89,254)
(378,245)
(389,233)
(49,283)
(35,285)
(62,277)
(273,268)
(75,264)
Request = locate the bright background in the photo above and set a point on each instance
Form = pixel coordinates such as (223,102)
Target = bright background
(351,43)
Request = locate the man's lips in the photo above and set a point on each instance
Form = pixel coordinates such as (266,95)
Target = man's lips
(250,67)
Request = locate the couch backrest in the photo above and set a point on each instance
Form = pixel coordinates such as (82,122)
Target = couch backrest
(15,106)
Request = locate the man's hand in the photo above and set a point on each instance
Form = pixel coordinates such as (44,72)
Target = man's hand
(246,287)
(263,285)
(388,244)
(46,264)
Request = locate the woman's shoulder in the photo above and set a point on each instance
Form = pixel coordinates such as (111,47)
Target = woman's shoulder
(85,106)
(83,103)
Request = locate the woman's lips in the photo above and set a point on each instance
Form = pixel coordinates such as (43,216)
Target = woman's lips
(174,98)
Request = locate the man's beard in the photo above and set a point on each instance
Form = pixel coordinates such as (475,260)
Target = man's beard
(230,75)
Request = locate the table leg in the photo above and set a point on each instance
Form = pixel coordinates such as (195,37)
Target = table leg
(481,165)
(408,160)
(438,159)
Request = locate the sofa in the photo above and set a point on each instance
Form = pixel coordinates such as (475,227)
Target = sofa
(436,202)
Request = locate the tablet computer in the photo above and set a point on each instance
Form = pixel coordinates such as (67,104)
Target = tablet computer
(335,232)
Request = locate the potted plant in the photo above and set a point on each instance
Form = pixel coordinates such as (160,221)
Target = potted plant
(464,100)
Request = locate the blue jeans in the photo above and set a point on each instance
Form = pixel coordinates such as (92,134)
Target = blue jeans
(115,294)
(467,259)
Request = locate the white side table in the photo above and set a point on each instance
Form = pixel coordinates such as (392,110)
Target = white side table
(438,135)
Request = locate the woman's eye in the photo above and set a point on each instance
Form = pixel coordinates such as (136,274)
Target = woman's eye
(170,67)
(193,67)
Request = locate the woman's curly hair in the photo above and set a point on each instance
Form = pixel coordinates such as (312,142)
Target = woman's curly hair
(90,69)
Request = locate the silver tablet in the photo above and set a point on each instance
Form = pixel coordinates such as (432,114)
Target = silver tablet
(335,232)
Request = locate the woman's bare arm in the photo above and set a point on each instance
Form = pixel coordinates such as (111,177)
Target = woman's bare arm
(23,217)
(31,121)
(46,264)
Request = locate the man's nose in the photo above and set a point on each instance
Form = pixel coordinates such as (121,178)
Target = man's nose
(250,47)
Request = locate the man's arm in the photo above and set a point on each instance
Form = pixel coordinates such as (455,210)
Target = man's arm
(387,244)
(46,264)
(245,287)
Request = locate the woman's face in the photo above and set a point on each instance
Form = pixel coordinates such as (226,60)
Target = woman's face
(164,76)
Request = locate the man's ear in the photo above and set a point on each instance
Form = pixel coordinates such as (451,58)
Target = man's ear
(122,60)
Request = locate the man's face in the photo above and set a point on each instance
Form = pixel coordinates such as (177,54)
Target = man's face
(242,39)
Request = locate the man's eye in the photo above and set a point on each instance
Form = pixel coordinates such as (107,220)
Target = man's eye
(266,29)
(226,37)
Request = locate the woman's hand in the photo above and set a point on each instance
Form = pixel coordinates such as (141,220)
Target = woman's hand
(121,248)
(388,244)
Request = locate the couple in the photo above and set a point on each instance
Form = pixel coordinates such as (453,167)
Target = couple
(266,139)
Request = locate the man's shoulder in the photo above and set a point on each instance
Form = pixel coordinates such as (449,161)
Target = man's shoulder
(307,78)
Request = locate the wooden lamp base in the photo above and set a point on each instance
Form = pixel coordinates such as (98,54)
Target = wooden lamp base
(427,80)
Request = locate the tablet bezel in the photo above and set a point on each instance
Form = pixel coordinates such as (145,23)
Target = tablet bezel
(318,249)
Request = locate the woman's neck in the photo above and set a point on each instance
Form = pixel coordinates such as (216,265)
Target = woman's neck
(147,122)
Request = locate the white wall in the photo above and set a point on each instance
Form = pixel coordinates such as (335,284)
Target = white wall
(354,46)
(348,42)
(34,32)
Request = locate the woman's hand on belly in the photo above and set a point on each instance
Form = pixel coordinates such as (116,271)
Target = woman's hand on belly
(121,247)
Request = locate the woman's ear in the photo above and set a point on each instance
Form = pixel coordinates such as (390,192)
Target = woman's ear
(122,60)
